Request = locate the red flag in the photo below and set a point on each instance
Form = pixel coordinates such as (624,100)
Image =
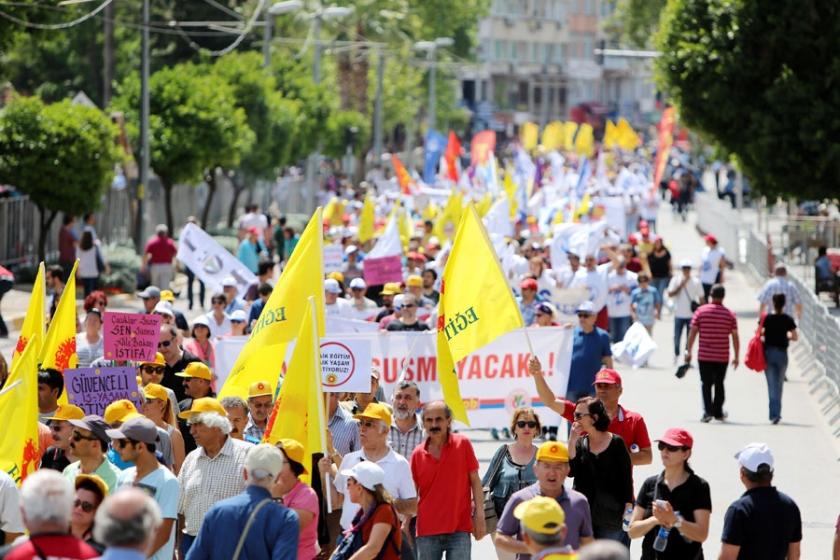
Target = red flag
(666,139)
(482,144)
(403,178)
(451,155)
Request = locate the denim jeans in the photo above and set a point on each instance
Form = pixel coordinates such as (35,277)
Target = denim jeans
(777,362)
(186,544)
(679,326)
(661,285)
(619,326)
(455,545)
(618,535)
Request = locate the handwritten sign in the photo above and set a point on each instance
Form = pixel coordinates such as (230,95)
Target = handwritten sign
(93,389)
(131,336)
(378,271)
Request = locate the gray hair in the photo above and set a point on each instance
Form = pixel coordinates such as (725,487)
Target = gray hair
(46,500)
(127,519)
(604,550)
(233,402)
(212,420)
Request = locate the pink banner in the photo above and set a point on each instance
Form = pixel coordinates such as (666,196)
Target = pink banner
(382,270)
(131,336)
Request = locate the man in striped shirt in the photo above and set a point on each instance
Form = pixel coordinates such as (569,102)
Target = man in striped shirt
(715,324)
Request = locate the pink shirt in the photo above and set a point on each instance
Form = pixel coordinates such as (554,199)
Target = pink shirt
(303,497)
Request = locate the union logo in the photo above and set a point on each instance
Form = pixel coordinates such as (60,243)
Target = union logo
(65,356)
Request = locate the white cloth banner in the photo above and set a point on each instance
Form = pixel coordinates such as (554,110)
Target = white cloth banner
(333,258)
(211,262)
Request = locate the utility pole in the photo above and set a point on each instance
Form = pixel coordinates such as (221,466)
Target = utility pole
(377,108)
(145,155)
(432,86)
(108,55)
(268,32)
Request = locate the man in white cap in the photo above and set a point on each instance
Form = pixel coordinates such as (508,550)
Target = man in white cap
(590,352)
(763,522)
(362,307)
(231,290)
(334,305)
(351,269)
(164,311)
(250,524)
(687,294)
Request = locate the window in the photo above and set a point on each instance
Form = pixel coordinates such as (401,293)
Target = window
(499,50)
(521,53)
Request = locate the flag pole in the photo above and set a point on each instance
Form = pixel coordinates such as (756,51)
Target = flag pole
(316,357)
(401,376)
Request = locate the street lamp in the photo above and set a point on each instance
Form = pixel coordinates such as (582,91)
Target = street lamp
(276,9)
(431,48)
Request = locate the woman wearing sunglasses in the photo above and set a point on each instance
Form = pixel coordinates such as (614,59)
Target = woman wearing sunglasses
(677,500)
(90,491)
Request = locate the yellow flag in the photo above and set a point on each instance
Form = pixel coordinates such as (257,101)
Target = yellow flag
(610,135)
(19,452)
(334,212)
(528,135)
(552,136)
(366,220)
(569,130)
(476,304)
(32,331)
(431,211)
(484,205)
(626,137)
(406,227)
(451,214)
(585,140)
(583,207)
(510,189)
(59,349)
(558,217)
(262,356)
(298,413)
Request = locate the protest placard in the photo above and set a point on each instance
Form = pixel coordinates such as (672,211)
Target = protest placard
(93,389)
(345,365)
(211,262)
(378,271)
(130,336)
(333,258)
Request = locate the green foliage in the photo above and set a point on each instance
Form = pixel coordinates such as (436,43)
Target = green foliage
(339,126)
(759,77)
(124,263)
(635,22)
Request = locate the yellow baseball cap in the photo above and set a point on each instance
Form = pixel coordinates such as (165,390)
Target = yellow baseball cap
(336,276)
(68,412)
(167,295)
(159,361)
(155,391)
(260,389)
(541,515)
(120,411)
(414,281)
(391,289)
(196,369)
(96,479)
(204,404)
(375,411)
(294,451)
(553,451)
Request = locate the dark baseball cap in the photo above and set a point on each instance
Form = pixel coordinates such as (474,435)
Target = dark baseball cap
(138,428)
(96,424)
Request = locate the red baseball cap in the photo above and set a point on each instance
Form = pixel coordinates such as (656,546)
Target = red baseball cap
(529,284)
(609,376)
(677,437)
(711,238)
(415,256)
(254,230)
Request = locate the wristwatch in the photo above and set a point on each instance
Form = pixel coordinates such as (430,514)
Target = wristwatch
(678,523)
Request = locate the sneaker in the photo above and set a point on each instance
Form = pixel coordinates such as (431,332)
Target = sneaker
(775,421)
(506,433)
(494,433)
(706,419)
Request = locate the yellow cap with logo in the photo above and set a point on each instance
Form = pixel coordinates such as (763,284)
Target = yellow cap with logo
(158,361)
(553,451)
(204,404)
(68,412)
(196,369)
(294,451)
(120,411)
(260,389)
(541,515)
(375,411)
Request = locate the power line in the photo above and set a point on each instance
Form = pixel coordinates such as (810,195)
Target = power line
(235,43)
(56,26)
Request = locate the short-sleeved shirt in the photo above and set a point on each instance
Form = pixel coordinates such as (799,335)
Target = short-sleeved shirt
(710,264)
(776,327)
(628,425)
(606,479)
(161,250)
(691,495)
(10,519)
(588,349)
(398,325)
(574,504)
(618,302)
(715,323)
(344,431)
(646,300)
(780,285)
(55,459)
(161,485)
(106,471)
(444,487)
(384,513)
(405,442)
(691,292)
(66,245)
(304,498)
(763,522)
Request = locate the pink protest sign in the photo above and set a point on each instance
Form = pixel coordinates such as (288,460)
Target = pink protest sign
(378,271)
(131,336)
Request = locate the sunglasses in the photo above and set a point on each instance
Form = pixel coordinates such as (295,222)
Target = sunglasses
(583,315)
(218,303)
(671,448)
(79,437)
(523,424)
(236,321)
(407,305)
(165,343)
(579,415)
(87,507)
(367,423)
(154,369)
(121,443)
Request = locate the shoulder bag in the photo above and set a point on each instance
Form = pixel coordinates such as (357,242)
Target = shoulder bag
(352,540)
(241,544)
(491,518)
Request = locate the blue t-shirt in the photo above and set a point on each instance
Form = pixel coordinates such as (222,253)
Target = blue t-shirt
(646,300)
(163,486)
(587,351)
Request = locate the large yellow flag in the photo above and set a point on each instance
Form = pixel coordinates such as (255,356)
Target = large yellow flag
(366,220)
(334,212)
(451,214)
(32,331)
(59,349)
(19,452)
(569,130)
(585,140)
(511,188)
(528,135)
(552,136)
(298,413)
(262,356)
(476,305)
(626,136)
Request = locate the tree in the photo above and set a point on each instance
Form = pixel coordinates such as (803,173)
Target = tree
(61,155)
(758,76)
(194,127)
(345,128)
(635,21)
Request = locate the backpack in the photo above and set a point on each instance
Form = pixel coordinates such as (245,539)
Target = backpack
(754,358)
(351,540)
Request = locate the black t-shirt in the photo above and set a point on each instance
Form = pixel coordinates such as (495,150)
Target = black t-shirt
(691,495)
(55,459)
(605,479)
(776,327)
(398,325)
(763,522)
(659,265)
(177,383)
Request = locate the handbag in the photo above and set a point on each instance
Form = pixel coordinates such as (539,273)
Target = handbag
(100,262)
(241,544)
(754,358)
(491,519)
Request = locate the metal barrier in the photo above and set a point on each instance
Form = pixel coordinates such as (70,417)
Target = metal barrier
(757,255)
(718,218)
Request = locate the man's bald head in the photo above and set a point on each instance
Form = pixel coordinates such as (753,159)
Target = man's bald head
(127,519)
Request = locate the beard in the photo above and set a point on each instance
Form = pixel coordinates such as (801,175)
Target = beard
(403,414)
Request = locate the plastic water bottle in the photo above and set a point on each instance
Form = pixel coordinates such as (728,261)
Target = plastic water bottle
(625,521)
(661,541)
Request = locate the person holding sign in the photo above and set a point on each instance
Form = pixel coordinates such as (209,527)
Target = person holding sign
(90,345)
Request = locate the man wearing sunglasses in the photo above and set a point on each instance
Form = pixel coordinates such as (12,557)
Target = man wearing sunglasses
(59,455)
(590,352)
(89,442)
(407,318)
(551,468)
(196,380)
(175,359)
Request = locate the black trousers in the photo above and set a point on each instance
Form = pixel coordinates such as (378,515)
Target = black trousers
(712,375)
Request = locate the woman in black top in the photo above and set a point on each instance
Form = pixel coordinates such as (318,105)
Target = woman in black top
(676,499)
(659,263)
(600,465)
(779,329)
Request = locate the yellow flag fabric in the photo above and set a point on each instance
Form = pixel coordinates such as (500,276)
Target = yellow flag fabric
(298,413)
(626,137)
(484,205)
(476,304)
(366,220)
(262,356)
(569,130)
(406,227)
(59,349)
(585,140)
(32,331)
(552,136)
(610,135)
(451,214)
(528,135)
(19,452)
(334,212)
(583,207)
(510,189)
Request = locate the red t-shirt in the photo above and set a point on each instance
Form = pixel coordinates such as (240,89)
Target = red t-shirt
(53,547)
(627,424)
(715,323)
(385,513)
(161,249)
(66,245)
(443,486)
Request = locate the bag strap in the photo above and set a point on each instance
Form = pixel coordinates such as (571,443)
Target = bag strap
(498,459)
(241,544)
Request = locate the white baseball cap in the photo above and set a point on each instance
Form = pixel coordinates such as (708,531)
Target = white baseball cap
(350,249)
(163,308)
(686,263)
(238,315)
(229,282)
(332,286)
(366,473)
(263,461)
(754,455)
(358,283)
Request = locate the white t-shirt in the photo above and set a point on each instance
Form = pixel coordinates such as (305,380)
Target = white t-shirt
(596,282)
(692,291)
(341,308)
(618,303)
(710,264)
(398,480)
(253,219)
(163,486)
(10,519)
(216,329)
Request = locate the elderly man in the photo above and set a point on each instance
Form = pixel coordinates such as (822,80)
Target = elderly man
(59,455)
(211,472)
(544,529)
(406,431)
(136,439)
(779,284)
(90,444)
(407,318)
(260,401)
(175,359)
(362,308)
(551,468)
(126,523)
(46,506)
(445,472)
(272,529)
(50,386)
(11,524)
(197,385)
(237,413)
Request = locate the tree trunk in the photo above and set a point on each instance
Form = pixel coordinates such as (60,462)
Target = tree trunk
(239,185)
(210,179)
(167,203)
(45,225)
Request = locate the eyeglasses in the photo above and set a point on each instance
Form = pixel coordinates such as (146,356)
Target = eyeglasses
(523,423)
(236,321)
(165,343)
(218,302)
(87,507)
(579,415)
(671,448)
(154,369)
(583,315)
(367,423)
(79,437)
(121,443)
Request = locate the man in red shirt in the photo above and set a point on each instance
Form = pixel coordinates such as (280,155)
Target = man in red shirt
(445,472)
(625,423)
(715,324)
(47,502)
(158,256)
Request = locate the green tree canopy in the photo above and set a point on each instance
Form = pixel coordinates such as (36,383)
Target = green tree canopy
(341,126)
